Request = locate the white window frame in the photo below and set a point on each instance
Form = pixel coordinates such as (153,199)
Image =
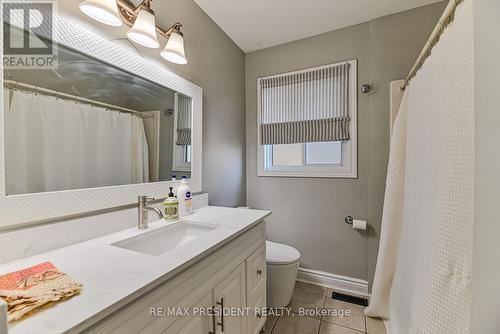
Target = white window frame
(349,166)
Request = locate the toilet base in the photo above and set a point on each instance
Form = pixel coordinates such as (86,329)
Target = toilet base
(280,283)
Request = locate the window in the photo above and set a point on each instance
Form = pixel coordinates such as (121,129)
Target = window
(307,123)
(182,134)
(319,153)
(181,161)
(187,154)
(324,153)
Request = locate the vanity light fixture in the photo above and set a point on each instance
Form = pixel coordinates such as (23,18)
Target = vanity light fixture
(141,19)
(104,11)
(174,50)
(143,31)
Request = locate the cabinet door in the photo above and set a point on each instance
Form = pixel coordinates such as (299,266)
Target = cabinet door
(229,295)
(194,324)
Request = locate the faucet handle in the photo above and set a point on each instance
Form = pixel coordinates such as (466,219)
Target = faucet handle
(145,199)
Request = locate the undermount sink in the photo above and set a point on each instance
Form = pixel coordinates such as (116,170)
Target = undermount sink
(159,241)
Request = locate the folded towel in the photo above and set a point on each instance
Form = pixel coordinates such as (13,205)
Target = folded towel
(30,289)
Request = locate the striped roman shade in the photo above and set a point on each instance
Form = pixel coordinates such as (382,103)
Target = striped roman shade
(183,120)
(306,106)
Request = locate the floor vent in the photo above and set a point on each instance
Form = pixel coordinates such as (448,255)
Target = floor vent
(350,299)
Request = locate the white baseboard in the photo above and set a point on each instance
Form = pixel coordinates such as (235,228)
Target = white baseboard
(350,285)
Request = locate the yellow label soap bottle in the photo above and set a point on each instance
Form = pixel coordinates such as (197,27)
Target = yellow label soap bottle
(171,206)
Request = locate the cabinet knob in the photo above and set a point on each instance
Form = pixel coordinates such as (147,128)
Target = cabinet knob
(259,272)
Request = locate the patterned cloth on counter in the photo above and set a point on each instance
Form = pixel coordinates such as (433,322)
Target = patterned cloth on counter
(35,287)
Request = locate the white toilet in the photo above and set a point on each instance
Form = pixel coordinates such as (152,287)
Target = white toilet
(282,266)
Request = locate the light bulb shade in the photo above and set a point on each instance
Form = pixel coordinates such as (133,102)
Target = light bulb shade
(104,11)
(143,31)
(174,50)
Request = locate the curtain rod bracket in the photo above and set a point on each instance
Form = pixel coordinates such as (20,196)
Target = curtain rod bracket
(366,88)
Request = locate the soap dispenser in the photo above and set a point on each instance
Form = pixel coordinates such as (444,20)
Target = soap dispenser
(171,205)
(184,197)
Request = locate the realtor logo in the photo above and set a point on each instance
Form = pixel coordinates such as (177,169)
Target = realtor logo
(28,34)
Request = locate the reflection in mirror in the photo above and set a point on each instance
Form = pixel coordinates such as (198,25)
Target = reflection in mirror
(89,124)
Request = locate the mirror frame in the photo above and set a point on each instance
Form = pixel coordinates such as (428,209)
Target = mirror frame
(34,208)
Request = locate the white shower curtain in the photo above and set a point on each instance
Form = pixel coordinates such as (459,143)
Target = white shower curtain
(431,288)
(392,216)
(56,144)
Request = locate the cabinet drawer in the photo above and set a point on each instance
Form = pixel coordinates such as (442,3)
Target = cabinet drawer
(256,289)
(256,318)
(256,274)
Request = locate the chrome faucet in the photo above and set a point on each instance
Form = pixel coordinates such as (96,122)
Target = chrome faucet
(142,223)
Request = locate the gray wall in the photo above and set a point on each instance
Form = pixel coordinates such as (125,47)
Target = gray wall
(395,42)
(308,213)
(486,271)
(217,65)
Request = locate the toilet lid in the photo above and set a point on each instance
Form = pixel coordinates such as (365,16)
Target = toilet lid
(280,254)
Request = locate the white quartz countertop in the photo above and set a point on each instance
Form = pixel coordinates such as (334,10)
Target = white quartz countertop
(113,276)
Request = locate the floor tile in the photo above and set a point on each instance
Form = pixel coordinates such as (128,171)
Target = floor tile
(302,300)
(270,323)
(310,288)
(294,324)
(329,328)
(375,326)
(355,320)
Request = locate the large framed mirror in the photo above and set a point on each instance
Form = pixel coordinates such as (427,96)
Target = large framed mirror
(95,131)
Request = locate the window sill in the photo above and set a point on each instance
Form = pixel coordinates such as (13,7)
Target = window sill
(308,174)
(182,170)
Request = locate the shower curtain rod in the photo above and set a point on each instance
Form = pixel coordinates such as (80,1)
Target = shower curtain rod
(73,97)
(445,19)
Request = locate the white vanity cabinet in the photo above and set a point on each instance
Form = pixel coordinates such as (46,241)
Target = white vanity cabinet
(231,277)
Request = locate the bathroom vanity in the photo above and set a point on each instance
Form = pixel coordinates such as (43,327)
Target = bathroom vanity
(171,278)
(156,280)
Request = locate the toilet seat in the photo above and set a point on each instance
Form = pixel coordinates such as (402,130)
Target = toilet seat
(281,254)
